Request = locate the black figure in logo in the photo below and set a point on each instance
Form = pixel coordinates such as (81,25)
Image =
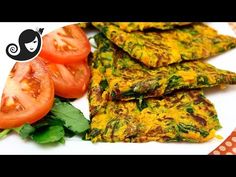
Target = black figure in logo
(30,44)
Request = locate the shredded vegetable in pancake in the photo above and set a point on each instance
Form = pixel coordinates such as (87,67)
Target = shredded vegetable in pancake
(127,79)
(186,115)
(162,48)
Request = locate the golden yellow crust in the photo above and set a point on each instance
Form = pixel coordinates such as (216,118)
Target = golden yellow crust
(161,48)
(128,79)
(182,116)
(140,26)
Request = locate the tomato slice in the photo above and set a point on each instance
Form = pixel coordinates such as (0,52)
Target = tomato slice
(71,80)
(28,95)
(66,45)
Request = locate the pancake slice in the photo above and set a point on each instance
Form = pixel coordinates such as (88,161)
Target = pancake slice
(184,116)
(127,79)
(162,48)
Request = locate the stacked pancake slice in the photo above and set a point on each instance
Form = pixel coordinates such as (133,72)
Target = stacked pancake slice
(147,81)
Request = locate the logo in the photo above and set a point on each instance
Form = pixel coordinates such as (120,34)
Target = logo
(30,44)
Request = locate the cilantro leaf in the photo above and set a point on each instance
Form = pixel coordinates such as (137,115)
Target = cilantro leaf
(49,134)
(25,130)
(64,120)
(72,117)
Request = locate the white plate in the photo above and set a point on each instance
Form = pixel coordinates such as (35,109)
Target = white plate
(222,99)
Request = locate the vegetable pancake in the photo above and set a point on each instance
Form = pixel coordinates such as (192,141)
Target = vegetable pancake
(140,26)
(183,116)
(127,79)
(161,48)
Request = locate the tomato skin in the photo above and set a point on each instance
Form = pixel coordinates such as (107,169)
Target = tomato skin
(66,45)
(71,80)
(35,107)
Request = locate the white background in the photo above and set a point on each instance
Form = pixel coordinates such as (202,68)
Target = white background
(224,101)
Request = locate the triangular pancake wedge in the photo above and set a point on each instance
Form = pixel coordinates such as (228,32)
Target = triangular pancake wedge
(162,48)
(127,79)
